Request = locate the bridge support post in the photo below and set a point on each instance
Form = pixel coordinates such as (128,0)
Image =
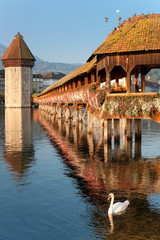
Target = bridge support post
(136,80)
(127,137)
(67,125)
(138,131)
(90,120)
(79,115)
(75,137)
(107,131)
(116,130)
(86,79)
(74,116)
(129,129)
(59,111)
(50,108)
(59,123)
(108,82)
(142,82)
(54,110)
(128,82)
(107,152)
(67,114)
(127,146)
(116,153)
(138,135)
(91,145)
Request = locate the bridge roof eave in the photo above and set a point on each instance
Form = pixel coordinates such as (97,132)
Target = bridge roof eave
(86,68)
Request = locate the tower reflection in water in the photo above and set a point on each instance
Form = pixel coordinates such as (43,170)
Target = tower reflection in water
(18,142)
(100,167)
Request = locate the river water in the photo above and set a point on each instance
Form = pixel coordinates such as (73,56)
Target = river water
(55,180)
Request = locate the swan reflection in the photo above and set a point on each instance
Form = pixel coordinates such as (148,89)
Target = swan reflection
(110,216)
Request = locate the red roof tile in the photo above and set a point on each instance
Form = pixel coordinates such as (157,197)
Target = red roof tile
(139,33)
(18,50)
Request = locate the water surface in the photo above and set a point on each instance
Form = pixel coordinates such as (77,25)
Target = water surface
(55,180)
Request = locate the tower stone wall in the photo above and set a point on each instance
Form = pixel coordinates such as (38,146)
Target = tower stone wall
(18,86)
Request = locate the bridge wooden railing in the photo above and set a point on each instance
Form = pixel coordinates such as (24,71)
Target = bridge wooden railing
(133,105)
(117,105)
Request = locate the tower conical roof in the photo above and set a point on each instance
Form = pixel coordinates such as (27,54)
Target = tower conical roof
(18,49)
(18,54)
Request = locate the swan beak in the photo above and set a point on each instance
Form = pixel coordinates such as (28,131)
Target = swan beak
(109,197)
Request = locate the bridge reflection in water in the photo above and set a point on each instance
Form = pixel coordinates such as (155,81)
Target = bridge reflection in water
(98,165)
(101,167)
(104,158)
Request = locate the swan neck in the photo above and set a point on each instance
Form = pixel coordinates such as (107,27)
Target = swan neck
(111,205)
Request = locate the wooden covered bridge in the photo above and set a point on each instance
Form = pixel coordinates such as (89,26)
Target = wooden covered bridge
(111,84)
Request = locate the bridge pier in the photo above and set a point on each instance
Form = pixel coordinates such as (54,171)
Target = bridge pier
(107,152)
(107,131)
(116,130)
(129,128)
(91,145)
(103,139)
(109,128)
(79,114)
(74,116)
(90,120)
(59,111)
(138,137)
(67,114)
(137,129)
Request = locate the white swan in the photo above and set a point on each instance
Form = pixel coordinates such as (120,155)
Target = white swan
(118,207)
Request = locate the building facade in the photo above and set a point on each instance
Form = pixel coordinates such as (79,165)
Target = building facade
(2,81)
(37,83)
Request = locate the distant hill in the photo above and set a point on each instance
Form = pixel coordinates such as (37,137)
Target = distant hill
(46,67)
(2,51)
(42,66)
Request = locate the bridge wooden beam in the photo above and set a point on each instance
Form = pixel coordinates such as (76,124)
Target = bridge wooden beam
(93,78)
(108,82)
(86,79)
(143,82)
(128,82)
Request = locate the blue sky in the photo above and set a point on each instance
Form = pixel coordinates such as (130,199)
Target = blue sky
(66,30)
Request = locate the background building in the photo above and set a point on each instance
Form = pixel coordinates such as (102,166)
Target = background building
(50,78)
(2,86)
(2,81)
(37,83)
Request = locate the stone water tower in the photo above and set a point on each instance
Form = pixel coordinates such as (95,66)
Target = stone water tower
(18,62)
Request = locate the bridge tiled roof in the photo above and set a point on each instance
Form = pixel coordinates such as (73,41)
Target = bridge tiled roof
(139,33)
(87,67)
(18,49)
